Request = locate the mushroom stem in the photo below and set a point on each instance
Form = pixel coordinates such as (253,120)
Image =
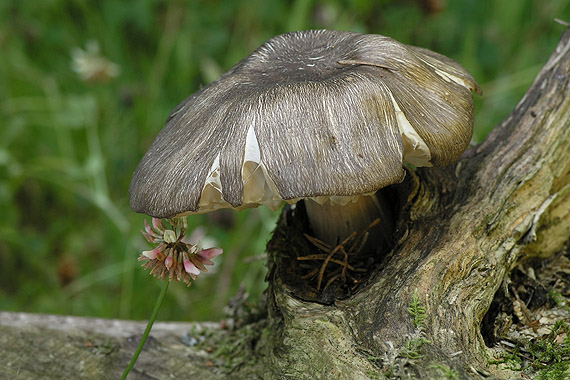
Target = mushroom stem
(333,223)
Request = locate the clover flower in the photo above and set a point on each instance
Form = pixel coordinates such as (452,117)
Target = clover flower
(177,256)
(91,65)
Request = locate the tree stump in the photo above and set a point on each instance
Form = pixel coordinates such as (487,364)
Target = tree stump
(460,231)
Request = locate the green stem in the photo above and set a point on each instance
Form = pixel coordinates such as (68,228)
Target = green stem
(147,331)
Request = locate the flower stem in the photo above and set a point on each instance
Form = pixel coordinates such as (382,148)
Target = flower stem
(147,330)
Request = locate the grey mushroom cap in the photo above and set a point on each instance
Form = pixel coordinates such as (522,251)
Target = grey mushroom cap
(315,114)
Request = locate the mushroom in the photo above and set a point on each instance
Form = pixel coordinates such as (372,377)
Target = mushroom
(329,117)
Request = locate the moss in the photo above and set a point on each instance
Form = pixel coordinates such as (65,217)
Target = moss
(546,358)
(233,350)
(417,311)
(518,317)
(413,348)
(555,371)
(559,299)
(237,346)
(403,361)
(510,360)
(446,371)
(373,374)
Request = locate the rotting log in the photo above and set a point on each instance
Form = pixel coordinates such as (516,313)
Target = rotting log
(460,231)
(35,346)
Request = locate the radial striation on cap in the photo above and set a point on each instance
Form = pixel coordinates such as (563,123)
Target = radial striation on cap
(323,114)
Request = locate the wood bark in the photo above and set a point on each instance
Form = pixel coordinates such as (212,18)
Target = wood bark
(460,231)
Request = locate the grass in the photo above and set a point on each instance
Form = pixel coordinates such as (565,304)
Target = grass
(68,240)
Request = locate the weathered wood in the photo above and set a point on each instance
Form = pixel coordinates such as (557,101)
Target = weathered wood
(460,231)
(34,346)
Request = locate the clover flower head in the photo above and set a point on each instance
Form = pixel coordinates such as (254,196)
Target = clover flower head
(91,65)
(177,256)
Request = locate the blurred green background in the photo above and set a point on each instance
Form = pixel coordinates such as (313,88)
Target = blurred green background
(69,142)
